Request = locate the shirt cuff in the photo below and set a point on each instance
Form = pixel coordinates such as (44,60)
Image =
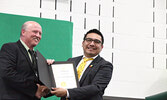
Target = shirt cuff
(68,96)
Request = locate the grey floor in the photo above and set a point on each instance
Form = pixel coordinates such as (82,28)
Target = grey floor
(119,98)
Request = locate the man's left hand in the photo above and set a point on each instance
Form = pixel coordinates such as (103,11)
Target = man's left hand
(50,61)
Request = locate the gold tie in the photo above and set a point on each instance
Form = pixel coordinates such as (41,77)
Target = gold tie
(82,65)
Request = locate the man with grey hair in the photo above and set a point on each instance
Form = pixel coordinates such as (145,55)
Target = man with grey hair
(19,78)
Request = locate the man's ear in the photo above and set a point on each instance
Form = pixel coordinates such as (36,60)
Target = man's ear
(22,32)
(102,46)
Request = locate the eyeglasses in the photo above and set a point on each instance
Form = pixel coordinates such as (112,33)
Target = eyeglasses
(89,40)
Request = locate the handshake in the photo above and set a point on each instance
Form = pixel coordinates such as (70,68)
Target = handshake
(42,91)
(45,92)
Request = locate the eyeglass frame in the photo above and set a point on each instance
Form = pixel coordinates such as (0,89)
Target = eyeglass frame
(96,41)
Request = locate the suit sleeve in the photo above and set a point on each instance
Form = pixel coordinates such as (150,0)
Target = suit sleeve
(96,83)
(10,75)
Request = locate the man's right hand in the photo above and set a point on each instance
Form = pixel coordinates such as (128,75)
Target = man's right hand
(41,91)
(59,92)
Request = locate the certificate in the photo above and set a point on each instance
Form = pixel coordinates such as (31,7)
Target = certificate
(64,75)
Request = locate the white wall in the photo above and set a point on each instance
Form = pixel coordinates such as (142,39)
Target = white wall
(135,33)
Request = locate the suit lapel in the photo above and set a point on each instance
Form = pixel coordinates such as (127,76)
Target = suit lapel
(24,51)
(89,68)
(78,60)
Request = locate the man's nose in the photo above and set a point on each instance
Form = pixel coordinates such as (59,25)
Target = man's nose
(92,43)
(38,34)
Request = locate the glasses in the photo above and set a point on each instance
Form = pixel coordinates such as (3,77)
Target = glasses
(89,40)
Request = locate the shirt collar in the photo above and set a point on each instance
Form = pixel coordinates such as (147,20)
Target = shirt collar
(27,48)
(90,57)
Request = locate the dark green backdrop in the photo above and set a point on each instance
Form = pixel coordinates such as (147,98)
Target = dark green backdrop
(56,42)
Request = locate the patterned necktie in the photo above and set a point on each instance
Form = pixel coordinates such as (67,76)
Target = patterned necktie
(82,65)
(34,62)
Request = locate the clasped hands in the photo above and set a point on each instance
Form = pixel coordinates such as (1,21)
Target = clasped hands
(42,91)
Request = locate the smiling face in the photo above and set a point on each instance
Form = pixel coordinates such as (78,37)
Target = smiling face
(90,46)
(31,34)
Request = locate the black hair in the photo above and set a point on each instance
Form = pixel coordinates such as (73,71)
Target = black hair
(95,31)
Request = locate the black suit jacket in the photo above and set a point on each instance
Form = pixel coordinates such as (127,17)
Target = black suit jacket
(93,81)
(17,78)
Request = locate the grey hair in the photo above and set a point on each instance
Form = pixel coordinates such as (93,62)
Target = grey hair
(25,25)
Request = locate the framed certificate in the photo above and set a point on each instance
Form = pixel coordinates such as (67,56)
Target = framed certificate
(64,75)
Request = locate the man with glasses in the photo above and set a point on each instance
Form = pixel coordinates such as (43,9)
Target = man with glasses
(94,73)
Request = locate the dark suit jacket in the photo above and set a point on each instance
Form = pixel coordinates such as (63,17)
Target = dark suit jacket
(93,81)
(17,79)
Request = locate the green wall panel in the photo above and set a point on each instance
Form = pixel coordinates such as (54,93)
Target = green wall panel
(56,42)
